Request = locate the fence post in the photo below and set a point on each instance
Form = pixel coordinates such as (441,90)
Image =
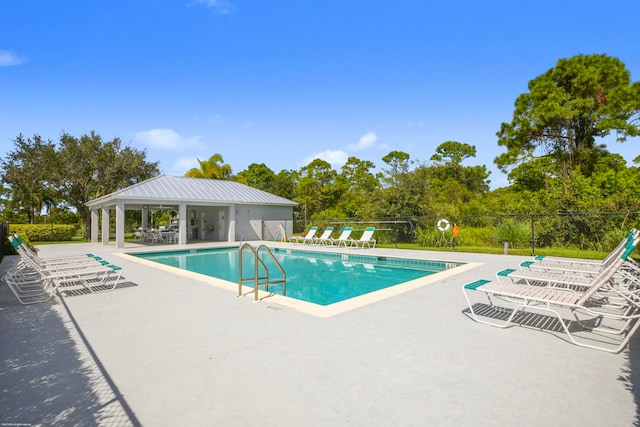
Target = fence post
(4,233)
(395,225)
(533,233)
(453,244)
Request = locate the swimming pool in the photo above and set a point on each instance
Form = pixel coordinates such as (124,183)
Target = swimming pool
(321,278)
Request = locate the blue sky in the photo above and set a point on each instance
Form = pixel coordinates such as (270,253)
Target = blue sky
(282,82)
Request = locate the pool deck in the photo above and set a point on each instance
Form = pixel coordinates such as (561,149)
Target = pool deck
(165,349)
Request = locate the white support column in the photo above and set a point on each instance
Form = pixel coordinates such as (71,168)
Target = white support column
(95,218)
(145,219)
(231,232)
(182,226)
(105,225)
(120,224)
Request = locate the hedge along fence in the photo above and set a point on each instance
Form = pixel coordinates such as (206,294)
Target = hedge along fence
(44,232)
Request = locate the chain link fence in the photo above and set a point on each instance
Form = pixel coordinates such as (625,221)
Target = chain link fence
(597,231)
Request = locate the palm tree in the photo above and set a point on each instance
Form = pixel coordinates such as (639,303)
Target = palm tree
(32,198)
(214,168)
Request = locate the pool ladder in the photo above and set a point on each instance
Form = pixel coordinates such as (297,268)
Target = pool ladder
(257,279)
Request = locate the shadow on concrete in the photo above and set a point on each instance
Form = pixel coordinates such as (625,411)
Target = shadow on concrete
(79,291)
(48,372)
(631,377)
(581,331)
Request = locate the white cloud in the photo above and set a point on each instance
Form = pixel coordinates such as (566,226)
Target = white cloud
(337,158)
(183,164)
(365,141)
(220,6)
(9,58)
(167,139)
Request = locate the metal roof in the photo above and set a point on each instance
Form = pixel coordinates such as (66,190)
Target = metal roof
(167,188)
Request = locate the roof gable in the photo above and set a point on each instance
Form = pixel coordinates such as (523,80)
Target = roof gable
(175,188)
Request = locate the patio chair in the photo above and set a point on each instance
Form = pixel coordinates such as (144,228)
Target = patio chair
(344,238)
(578,266)
(571,276)
(171,236)
(52,263)
(137,234)
(366,238)
(94,279)
(554,301)
(33,280)
(305,239)
(156,236)
(324,238)
(19,245)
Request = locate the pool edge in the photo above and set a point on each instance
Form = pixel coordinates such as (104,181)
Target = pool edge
(308,307)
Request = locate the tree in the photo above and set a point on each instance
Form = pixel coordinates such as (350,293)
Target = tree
(5,200)
(258,176)
(448,166)
(404,191)
(214,168)
(359,188)
(399,164)
(316,190)
(72,173)
(453,153)
(567,108)
(284,184)
(358,173)
(25,171)
(88,167)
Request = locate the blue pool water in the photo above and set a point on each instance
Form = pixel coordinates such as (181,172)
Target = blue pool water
(317,277)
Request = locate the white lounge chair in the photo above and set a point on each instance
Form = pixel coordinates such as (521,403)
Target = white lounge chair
(35,281)
(577,266)
(366,238)
(618,324)
(345,237)
(308,238)
(572,275)
(59,263)
(324,238)
(94,279)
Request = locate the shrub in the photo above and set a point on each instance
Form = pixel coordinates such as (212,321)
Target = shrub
(514,232)
(473,236)
(430,236)
(8,248)
(44,232)
(610,240)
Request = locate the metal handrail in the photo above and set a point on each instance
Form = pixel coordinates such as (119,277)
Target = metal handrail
(256,277)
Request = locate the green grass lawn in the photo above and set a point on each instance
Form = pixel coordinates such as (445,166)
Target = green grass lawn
(559,252)
(80,239)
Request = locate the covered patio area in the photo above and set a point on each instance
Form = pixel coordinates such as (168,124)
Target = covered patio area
(207,209)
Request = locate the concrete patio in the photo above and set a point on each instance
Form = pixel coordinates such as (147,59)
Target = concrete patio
(164,349)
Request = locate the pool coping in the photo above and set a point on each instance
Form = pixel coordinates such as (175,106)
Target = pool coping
(305,306)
